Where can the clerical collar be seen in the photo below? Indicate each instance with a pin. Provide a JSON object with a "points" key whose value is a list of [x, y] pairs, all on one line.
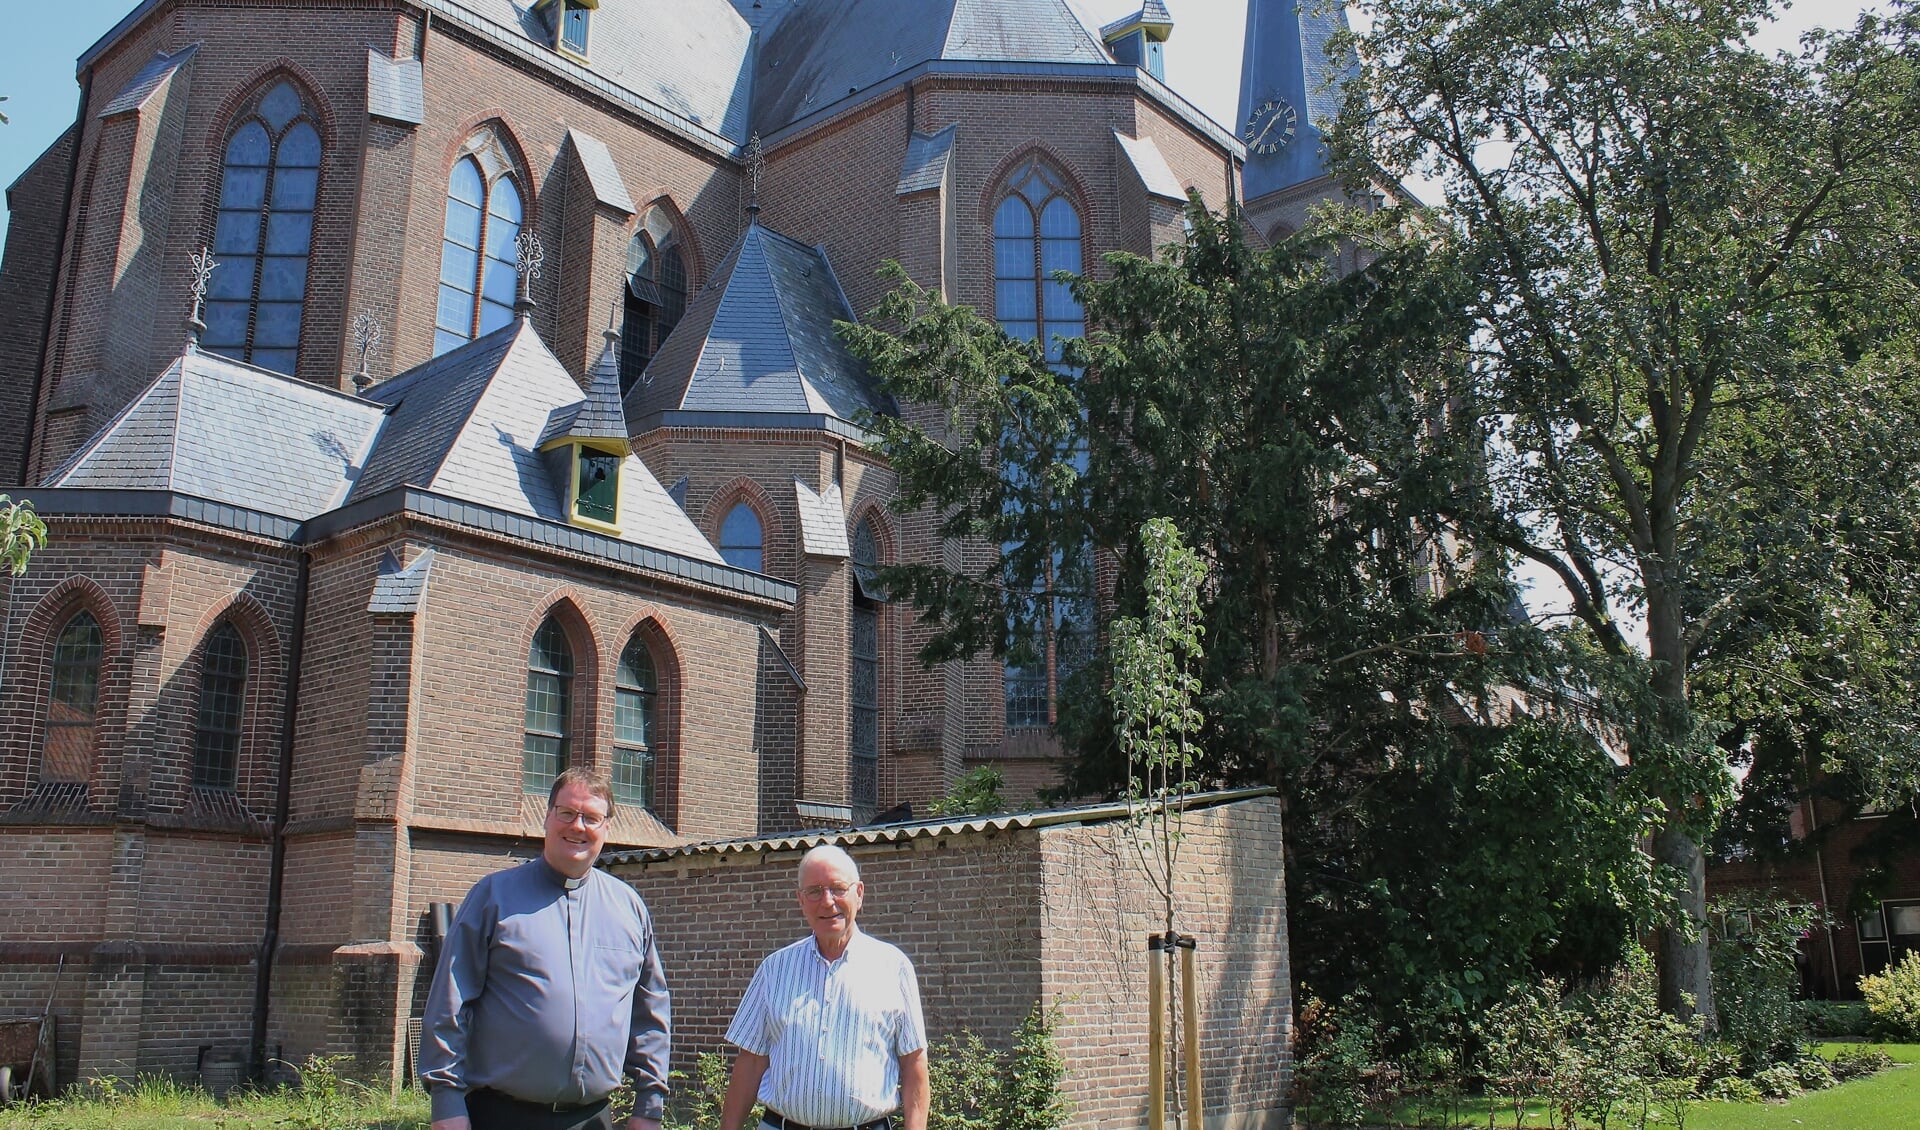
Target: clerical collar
{"points": [[565, 881]]}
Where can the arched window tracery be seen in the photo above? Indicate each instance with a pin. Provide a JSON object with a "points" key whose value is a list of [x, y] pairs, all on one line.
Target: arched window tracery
{"points": [[486, 207]]}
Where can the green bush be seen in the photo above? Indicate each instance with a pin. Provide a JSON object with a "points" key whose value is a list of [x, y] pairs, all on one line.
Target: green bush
{"points": [[1780, 1081], [978, 1088], [1841, 1019], [1338, 1051], [1858, 1062], [1815, 1073], [1732, 1089], [1755, 943], [1893, 997]]}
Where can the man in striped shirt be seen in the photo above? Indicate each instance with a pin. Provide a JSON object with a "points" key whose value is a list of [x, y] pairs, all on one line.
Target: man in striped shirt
{"points": [[830, 1032]]}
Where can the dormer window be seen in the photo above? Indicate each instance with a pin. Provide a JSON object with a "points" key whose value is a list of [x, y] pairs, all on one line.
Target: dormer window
{"points": [[596, 496], [567, 22]]}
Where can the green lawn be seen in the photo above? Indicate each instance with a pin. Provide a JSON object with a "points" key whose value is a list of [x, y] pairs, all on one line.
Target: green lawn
{"points": [[162, 1105], [1887, 1101]]}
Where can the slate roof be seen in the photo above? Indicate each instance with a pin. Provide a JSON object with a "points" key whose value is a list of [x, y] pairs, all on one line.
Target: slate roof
{"points": [[396, 89], [225, 431], [925, 167], [467, 425], [602, 175], [1151, 166], [397, 591], [819, 53], [823, 521], [686, 56], [1151, 14], [760, 339], [158, 70], [600, 415]]}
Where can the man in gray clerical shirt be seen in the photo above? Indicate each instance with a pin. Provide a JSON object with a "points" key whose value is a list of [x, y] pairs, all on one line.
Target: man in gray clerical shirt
{"points": [[548, 987]]}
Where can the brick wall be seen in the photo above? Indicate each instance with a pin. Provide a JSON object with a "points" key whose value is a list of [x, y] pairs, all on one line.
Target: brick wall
{"points": [[999, 920], [26, 292]]}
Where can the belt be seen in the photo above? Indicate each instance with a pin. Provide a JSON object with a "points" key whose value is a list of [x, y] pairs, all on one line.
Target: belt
{"points": [[489, 1094], [780, 1121]]}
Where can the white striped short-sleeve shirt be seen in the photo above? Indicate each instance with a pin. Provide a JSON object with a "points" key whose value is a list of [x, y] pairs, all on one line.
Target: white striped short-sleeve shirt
{"points": [[832, 1032]]}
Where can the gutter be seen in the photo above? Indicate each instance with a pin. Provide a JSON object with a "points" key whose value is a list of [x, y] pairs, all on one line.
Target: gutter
{"points": [[282, 809]]}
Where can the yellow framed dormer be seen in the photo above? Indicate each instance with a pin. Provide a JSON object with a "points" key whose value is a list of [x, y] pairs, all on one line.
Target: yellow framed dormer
{"points": [[594, 483], [569, 22]]}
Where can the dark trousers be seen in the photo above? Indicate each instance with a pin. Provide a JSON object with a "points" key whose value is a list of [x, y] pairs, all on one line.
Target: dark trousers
{"points": [[491, 1110]]}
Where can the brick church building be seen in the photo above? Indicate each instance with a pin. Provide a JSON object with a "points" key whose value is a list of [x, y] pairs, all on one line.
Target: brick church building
{"points": [[350, 558]]}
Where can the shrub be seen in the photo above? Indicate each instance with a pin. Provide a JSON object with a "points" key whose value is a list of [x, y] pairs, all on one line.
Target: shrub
{"points": [[1815, 1074], [1337, 1052], [1893, 997], [1755, 978], [976, 1088], [1858, 1062], [1829, 1019], [1780, 1081], [1731, 1089]]}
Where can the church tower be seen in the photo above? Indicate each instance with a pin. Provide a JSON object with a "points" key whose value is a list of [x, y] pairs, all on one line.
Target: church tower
{"points": [[1289, 95]]}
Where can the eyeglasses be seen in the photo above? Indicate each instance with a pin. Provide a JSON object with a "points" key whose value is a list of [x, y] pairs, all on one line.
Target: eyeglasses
{"points": [[588, 820], [837, 890]]}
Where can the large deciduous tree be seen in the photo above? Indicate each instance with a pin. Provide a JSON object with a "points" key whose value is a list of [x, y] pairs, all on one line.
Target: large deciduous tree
{"points": [[1691, 270]]}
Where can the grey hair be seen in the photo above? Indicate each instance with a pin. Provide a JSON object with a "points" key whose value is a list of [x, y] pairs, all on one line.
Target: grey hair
{"points": [[834, 854]]}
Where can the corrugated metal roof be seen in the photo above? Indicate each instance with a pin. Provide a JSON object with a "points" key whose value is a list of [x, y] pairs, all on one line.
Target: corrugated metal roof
{"points": [[925, 167], [823, 521], [608, 188], [760, 339], [135, 94], [1151, 166], [920, 829], [227, 432], [396, 89]]}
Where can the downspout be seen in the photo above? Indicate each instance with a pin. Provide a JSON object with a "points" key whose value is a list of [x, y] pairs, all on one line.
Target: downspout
{"points": [[60, 247], [282, 806]]}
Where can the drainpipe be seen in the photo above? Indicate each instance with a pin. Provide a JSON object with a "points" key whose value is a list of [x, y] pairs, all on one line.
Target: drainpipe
{"points": [[53, 296], [282, 806]]}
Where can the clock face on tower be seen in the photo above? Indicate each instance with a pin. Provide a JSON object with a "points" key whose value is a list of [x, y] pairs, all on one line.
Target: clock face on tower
{"points": [[1270, 127]]}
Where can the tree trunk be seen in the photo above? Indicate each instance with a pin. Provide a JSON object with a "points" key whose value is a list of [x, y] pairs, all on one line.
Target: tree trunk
{"points": [[1686, 981]]}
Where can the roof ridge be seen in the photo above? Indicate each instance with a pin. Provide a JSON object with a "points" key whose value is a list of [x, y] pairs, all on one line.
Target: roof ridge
{"points": [[120, 418]]}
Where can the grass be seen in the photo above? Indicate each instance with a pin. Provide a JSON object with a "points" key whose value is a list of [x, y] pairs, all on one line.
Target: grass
{"points": [[1879, 1102], [161, 1104]]}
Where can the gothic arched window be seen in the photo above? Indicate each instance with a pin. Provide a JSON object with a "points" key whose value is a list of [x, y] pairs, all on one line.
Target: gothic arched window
{"points": [[636, 726], [223, 689], [549, 727], [864, 718], [742, 544], [269, 181], [1036, 231], [485, 208], [656, 294], [73, 701]]}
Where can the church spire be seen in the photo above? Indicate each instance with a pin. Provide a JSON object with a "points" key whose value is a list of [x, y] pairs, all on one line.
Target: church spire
{"points": [[1289, 91]]}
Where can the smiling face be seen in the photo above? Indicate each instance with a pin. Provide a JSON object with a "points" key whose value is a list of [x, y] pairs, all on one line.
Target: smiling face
{"points": [[576, 830], [830, 896]]}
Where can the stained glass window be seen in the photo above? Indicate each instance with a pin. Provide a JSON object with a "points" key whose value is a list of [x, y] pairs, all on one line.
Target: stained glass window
{"points": [[263, 232], [478, 282], [549, 707], [1037, 232], [741, 542], [73, 701], [223, 689], [656, 294], [636, 704]]}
